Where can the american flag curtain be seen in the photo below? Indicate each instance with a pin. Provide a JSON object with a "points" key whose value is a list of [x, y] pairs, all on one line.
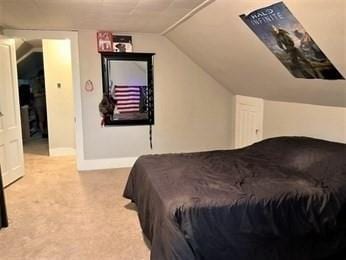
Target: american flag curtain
{"points": [[127, 98]]}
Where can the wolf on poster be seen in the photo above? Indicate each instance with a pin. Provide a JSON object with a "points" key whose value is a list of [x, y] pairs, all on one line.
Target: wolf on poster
{"points": [[281, 32]]}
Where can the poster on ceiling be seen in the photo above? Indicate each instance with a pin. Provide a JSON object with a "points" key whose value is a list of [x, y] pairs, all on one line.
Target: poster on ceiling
{"points": [[287, 39]]}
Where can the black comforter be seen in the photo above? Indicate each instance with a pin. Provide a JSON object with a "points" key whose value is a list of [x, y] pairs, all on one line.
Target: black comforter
{"points": [[282, 198]]}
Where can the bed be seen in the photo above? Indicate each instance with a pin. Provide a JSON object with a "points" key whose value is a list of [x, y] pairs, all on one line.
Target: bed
{"points": [[281, 198]]}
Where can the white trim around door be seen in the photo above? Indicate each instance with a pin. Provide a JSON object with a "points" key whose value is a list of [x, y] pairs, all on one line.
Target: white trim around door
{"points": [[73, 37]]}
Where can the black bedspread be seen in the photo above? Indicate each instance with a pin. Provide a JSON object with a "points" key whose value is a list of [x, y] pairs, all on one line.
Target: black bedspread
{"points": [[282, 198]]}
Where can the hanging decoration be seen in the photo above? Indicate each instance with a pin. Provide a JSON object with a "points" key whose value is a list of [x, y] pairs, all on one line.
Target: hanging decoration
{"points": [[89, 86], [104, 41], [287, 39]]}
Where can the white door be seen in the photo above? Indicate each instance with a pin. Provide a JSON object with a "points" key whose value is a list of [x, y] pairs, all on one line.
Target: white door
{"points": [[248, 120], [11, 147]]}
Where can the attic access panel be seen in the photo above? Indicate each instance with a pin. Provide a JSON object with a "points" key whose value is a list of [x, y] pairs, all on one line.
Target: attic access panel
{"points": [[287, 39], [128, 88]]}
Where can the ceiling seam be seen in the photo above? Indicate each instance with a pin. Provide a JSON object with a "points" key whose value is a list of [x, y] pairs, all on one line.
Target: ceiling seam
{"points": [[187, 16]]}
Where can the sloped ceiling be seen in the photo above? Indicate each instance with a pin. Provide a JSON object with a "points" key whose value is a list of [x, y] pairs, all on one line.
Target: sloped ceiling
{"points": [[24, 48], [218, 40], [29, 58], [28, 68], [149, 16]]}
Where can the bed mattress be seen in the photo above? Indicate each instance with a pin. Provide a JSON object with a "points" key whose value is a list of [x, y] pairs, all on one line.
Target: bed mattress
{"points": [[282, 198]]}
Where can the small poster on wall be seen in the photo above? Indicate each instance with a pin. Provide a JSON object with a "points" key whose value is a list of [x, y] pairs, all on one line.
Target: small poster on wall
{"points": [[122, 43], [104, 41], [287, 39]]}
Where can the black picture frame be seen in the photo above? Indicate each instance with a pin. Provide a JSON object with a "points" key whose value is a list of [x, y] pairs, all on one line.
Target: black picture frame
{"points": [[106, 59]]}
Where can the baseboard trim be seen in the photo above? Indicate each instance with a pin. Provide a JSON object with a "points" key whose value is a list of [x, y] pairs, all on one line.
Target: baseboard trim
{"points": [[65, 151], [102, 164]]}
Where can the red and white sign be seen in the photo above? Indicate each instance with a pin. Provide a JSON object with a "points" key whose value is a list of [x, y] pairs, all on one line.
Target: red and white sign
{"points": [[104, 41]]}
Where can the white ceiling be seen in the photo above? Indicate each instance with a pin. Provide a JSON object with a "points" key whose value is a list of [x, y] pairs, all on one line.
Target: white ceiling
{"points": [[220, 42], [150, 16]]}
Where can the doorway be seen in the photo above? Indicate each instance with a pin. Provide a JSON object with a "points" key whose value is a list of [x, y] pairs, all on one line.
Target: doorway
{"points": [[46, 70], [45, 98], [248, 120], [32, 96], [58, 89]]}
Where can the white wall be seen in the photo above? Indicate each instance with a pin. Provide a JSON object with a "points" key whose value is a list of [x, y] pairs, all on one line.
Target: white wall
{"points": [[293, 119], [192, 111], [60, 110]]}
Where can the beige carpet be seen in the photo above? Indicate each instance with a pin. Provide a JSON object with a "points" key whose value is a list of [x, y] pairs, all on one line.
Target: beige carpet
{"points": [[57, 213]]}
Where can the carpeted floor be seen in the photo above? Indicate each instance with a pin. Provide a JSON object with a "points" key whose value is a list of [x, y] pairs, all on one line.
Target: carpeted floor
{"points": [[57, 213]]}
